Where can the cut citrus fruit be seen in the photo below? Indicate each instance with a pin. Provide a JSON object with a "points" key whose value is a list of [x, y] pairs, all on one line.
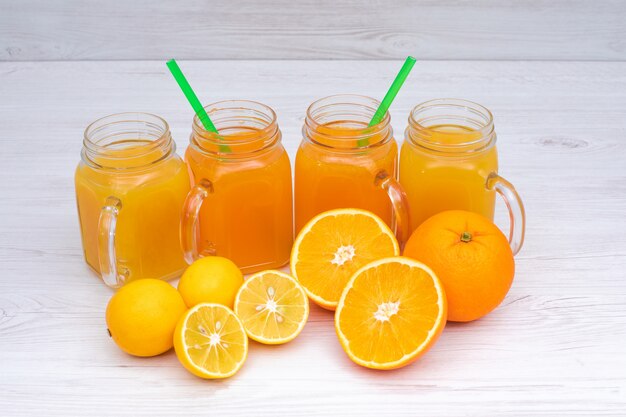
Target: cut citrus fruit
{"points": [[333, 246], [210, 341], [272, 306], [390, 313]]}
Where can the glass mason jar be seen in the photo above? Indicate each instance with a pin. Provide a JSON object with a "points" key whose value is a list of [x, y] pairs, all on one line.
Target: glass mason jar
{"points": [[240, 206], [343, 163], [449, 161], [130, 190]]}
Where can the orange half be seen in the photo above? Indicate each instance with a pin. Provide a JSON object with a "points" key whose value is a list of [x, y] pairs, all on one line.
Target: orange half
{"points": [[390, 313], [333, 246]]}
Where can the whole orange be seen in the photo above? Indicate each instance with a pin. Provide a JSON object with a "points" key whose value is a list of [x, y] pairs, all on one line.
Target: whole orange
{"points": [[471, 257]]}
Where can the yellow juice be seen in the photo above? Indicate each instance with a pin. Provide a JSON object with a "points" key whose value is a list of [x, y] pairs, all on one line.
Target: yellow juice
{"points": [[247, 215], [151, 188], [437, 178], [332, 172]]}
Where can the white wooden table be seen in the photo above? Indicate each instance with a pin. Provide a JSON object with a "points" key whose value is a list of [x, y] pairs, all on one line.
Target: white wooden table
{"points": [[556, 346]]}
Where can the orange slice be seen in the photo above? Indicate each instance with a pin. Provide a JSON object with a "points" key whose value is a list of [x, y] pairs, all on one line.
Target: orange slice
{"points": [[390, 313], [333, 246], [210, 341], [272, 306]]}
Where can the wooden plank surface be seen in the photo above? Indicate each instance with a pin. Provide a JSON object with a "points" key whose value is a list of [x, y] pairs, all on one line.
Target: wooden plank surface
{"points": [[313, 29], [555, 347]]}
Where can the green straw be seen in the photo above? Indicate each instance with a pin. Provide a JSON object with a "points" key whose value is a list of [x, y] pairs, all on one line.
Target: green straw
{"points": [[390, 96], [191, 96], [393, 91]]}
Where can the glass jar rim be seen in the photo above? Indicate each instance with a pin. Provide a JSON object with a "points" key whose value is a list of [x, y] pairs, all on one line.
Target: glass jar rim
{"points": [[133, 117], [268, 115], [159, 139], [367, 107], [455, 103], [421, 133], [349, 99]]}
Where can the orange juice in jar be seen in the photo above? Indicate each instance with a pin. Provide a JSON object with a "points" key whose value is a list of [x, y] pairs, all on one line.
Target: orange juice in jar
{"points": [[449, 161], [343, 163], [240, 206], [130, 190]]}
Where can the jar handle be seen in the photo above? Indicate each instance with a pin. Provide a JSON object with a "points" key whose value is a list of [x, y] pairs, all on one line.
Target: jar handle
{"points": [[189, 219], [399, 203], [107, 225], [517, 215]]}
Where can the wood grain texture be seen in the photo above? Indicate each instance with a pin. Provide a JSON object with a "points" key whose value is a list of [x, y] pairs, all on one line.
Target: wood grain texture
{"points": [[313, 29], [555, 347]]}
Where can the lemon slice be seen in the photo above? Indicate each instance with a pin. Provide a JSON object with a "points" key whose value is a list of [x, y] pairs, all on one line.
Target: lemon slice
{"points": [[210, 341], [333, 246], [272, 306]]}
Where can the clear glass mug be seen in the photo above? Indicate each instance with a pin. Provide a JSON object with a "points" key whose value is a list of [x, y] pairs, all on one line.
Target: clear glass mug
{"points": [[240, 206], [343, 163], [130, 190], [449, 161]]}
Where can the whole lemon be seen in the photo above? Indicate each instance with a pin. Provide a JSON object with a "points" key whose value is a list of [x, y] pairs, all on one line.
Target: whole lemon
{"points": [[142, 315], [212, 279]]}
